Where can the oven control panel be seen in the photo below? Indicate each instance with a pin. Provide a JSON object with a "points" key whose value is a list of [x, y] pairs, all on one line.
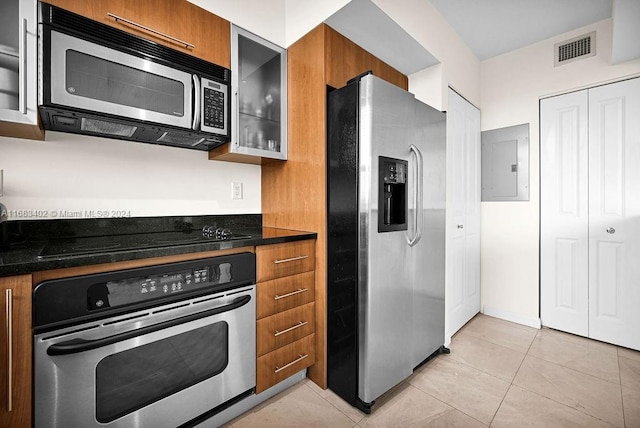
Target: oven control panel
{"points": [[139, 289], [63, 301]]}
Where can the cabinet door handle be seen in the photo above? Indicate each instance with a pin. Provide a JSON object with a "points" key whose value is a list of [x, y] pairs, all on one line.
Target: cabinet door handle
{"points": [[292, 259], [300, 358], [9, 326], [151, 30], [293, 293], [23, 67], [287, 330]]}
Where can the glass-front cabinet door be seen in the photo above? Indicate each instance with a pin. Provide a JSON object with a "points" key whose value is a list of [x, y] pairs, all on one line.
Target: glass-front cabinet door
{"points": [[259, 102], [18, 69]]}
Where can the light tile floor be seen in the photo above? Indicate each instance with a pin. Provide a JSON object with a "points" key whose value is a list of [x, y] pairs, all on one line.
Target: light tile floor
{"points": [[498, 374]]}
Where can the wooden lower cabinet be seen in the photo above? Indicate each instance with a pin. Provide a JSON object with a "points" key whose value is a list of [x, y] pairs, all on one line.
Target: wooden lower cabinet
{"points": [[15, 353], [285, 327], [285, 293], [278, 365], [285, 311]]}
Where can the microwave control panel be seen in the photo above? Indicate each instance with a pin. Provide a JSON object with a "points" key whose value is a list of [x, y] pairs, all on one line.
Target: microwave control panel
{"points": [[214, 107]]}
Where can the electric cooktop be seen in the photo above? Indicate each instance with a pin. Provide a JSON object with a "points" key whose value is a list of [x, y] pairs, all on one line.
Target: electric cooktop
{"points": [[105, 244]]}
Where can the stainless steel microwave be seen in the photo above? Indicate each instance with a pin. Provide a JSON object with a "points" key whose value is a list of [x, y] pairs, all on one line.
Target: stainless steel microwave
{"points": [[101, 81]]}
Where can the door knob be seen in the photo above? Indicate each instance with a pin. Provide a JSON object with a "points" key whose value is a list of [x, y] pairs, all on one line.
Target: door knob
{"points": [[460, 226], [611, 230]]}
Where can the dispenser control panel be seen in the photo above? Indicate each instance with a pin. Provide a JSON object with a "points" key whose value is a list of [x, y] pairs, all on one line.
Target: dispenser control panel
{"points": [[392, 194]]}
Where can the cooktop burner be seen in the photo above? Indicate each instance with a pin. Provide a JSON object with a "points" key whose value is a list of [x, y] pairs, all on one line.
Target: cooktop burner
{"points": [[105, 244]]}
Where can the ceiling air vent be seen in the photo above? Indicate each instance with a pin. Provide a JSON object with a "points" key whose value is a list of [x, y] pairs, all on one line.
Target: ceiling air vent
{"points": [[574, 49]]}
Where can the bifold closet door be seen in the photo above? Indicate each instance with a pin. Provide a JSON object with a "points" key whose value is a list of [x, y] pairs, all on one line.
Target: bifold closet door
{"points": [[614, 213], [590, 213], [564, 215]]}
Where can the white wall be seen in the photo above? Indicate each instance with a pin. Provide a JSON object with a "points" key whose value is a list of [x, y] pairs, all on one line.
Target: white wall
{"points": [[304, 16], [68, 176], [511, 86], [266, 18], [459, 67]]}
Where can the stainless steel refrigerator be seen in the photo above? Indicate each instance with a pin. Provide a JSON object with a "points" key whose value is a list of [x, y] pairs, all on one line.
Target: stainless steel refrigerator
{"points": [[385, 237]]}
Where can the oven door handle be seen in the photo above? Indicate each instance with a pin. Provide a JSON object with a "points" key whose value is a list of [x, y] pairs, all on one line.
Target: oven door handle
{"points": [[76, 346]]}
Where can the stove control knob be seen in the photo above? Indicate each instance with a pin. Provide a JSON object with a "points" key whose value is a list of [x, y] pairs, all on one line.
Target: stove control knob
{"points": [[223, 234], [208, 232]]}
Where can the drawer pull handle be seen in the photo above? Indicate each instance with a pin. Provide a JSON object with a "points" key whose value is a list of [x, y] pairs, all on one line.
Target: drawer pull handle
{"points": [[292, 259], [300, 324], [293, 293], [151, 30], [9, 327], [300, 358]]}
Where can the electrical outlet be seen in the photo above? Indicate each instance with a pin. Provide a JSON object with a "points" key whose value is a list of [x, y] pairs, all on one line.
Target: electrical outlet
{"points": [[236, 190]]}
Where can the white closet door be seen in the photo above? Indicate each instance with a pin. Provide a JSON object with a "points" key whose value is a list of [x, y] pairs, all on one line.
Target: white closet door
{"points": [[564, 217], [614, 213], [463, 212]]}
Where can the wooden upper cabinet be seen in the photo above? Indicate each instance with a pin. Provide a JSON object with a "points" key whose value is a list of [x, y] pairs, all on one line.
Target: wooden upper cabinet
{"points": [[208, 33]]}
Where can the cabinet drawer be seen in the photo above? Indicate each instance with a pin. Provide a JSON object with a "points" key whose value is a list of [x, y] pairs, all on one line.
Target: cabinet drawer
{"points": [[285, 327], [275, 261], [280, 294], [278, 365]]}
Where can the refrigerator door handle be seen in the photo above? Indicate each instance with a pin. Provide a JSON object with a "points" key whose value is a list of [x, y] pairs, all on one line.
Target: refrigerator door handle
{"points": [[418, 217]]}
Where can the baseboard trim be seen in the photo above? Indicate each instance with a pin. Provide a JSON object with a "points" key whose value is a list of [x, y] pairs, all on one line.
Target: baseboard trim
{"points": [[512, 316]]}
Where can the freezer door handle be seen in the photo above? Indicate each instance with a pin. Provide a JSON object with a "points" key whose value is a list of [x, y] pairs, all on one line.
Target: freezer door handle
{"points": [[418, 215]]}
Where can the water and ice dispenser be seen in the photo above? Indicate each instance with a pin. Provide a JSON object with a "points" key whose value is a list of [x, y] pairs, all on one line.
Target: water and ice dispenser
{"points": [[392, 194]]}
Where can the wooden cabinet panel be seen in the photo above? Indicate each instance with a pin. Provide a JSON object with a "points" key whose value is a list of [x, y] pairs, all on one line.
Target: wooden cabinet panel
{"points": [[285, 327], [210, 34], [285, 293], [15, 336], [275, 261], [284, 362]]}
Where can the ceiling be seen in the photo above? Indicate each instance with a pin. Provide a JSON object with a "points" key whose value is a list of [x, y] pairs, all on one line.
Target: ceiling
{"points": [[488, 27], [494, 27]]}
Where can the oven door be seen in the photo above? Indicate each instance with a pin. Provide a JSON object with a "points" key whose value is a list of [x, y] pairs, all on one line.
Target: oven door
{"points": [[159, 367], [95, 78]]}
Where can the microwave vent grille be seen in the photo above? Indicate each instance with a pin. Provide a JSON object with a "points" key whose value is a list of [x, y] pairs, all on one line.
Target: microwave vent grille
{"points": [[121, 40], [107, 128], [181, 139]]}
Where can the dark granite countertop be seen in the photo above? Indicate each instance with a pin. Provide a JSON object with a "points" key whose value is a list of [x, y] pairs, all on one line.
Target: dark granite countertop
{"points": [[31, 246]]}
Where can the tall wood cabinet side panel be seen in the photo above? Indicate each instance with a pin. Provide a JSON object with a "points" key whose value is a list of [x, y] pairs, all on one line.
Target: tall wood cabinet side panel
{"points": [[293, 192], [20, 363], [181, 19], [345, 60]]}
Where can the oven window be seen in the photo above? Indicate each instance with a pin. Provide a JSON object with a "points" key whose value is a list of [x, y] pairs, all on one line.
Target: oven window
{"points": [[132, 379], [98, 79]]}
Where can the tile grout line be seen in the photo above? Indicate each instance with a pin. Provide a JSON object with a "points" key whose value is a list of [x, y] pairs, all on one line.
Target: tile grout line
{"points": [[624, 419], [447, 404], [333, 405], [514, 377], [579, 372]]}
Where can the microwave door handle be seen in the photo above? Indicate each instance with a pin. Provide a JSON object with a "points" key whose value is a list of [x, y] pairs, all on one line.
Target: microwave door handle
{"points": [[196, 103], [76, 346]]}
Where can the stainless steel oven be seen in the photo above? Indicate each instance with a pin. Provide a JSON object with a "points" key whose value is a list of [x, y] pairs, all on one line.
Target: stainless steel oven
{"points": [[146, 347]]}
